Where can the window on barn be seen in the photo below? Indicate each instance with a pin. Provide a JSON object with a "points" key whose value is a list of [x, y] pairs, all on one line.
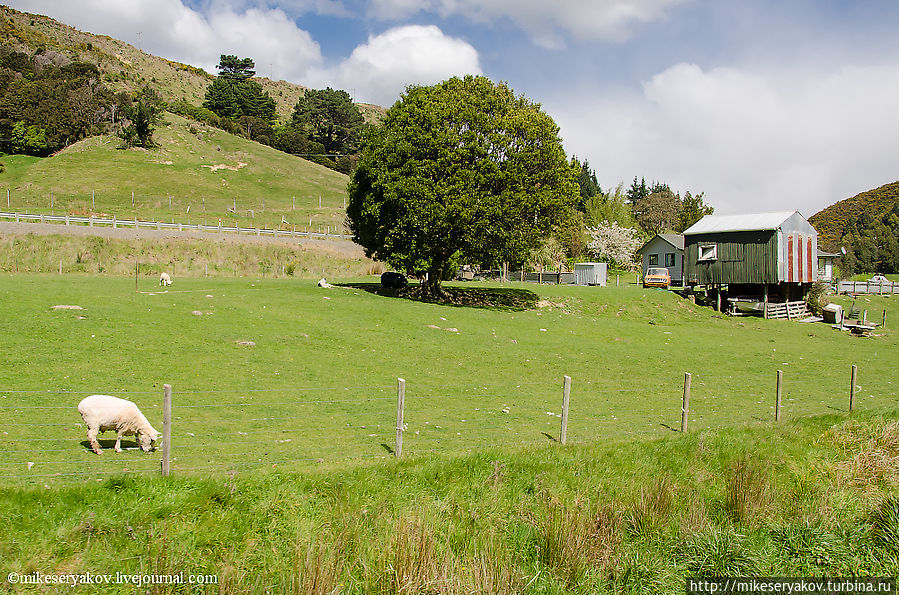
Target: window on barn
{"points": [[653, 260], [669, 259], [708, 252]]}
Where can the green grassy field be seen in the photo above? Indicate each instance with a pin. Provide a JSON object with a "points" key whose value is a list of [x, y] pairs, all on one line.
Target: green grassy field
{"points": [[319, 381], [283, 480], [810, 497], [195, 166]]}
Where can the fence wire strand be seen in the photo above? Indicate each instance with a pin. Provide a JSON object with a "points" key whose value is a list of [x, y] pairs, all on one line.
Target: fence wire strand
{"points": [[501, 420]]}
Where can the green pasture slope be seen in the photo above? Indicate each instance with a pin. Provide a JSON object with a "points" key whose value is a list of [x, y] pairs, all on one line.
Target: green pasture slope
{"points": [[281, 372], [282, 479], [194, 166]]}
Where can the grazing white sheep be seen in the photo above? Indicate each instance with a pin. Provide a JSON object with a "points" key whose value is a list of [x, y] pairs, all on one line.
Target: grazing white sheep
{"points": [[164, 279], [103, 412]]}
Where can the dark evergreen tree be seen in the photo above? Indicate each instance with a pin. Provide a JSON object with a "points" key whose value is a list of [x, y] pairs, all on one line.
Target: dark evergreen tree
{"points": [[234, 94], [330, 118], [693, 209], [586, 179], [141, 116], [637, 191]]}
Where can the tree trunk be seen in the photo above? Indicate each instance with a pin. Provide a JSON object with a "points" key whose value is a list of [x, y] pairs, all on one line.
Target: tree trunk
{"points": [[433, 287]]}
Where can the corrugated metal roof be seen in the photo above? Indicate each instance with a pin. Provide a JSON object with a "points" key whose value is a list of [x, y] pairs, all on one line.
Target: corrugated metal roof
{"points": [[675, 239], [752, 222]]}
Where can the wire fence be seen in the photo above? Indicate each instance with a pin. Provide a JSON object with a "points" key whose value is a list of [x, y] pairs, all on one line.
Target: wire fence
{"points": [[242, 210], [229, 431]]}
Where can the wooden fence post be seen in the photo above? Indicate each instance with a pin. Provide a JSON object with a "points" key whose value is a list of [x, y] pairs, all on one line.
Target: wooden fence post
{"points": [[685, 410], [780, 383], [566, 395], [852, 387], [400, 403], [166, 429], [883, 323]]}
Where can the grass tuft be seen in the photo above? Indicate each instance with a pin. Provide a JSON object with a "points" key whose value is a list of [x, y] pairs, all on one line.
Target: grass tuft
{"points": [[651, 510], [747, 490], [885, 525], [577, 538], [719, 552]]}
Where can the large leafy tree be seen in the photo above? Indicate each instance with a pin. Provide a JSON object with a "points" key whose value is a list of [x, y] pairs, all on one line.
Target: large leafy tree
{"points": [[658, 211], [330, 118], [459, 170]]}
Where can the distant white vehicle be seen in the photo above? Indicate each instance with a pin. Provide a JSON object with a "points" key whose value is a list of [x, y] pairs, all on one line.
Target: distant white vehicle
{"points": [[878, 279]]}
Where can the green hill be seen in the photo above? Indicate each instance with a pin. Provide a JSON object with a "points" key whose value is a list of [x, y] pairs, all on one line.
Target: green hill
{"points": [[834, 221], [866, 226], [206, 170], [127, 68], [124, 67]]}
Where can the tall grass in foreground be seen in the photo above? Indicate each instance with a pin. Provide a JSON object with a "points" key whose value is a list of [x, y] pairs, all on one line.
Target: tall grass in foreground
{"points": [[623, 517]]}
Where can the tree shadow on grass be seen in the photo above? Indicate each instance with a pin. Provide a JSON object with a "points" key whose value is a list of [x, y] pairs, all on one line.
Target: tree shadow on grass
{"points": [[490, 298]]}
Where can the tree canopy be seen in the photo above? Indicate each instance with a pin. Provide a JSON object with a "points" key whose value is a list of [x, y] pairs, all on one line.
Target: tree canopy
{"points": [[692, 210], [232, 67], [459, 170], [48, 102], [330, 118], [141, 116], [658, 211], [587, 183], [234, 94]]}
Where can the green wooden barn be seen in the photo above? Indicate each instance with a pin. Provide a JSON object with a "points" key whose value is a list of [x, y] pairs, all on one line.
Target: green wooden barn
{"points": [[758, 255]]}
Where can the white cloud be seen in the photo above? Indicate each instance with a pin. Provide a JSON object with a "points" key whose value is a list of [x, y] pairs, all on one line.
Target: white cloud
{"points": [[170, 29], [379, 70], [548, 23], [796, 138]]}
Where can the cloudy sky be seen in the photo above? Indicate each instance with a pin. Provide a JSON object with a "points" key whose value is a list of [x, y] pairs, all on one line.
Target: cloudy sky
{"points": [[761, 104]]}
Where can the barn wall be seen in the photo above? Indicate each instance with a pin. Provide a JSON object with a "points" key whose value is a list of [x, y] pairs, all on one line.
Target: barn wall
{"points": [[743, 257], [798, 252]]}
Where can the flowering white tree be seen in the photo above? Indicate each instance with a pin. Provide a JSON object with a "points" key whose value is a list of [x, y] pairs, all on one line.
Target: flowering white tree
{"points": [[615, 244]]}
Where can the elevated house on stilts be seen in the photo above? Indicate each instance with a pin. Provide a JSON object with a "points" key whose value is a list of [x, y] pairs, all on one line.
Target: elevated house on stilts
{"points": [[763, 263]]}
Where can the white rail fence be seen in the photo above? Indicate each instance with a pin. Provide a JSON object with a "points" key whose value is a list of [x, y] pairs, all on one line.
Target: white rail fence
{"points": [[115, 223], [869, 287]]}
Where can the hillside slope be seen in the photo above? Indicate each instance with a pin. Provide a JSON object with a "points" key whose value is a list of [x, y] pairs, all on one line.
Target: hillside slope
{"points": [[196, 172], [832, 222], [127, 68]]}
